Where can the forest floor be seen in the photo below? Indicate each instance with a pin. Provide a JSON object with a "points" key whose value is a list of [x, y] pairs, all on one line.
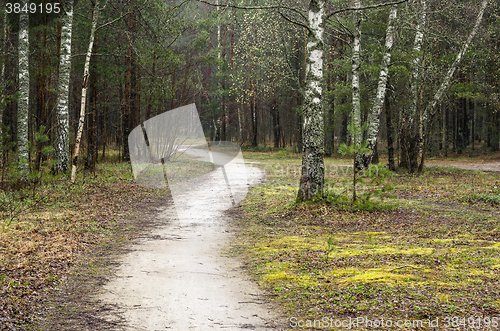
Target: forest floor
{"points": [[179, 277], [56, 251], [428, 253], [432, 252]]}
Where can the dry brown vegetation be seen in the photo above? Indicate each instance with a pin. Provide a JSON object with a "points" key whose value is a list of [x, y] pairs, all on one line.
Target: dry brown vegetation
{"points": [[431, 252], [66, 235]]}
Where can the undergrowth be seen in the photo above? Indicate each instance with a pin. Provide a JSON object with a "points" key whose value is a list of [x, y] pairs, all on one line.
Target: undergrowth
{"points": [[429, 250], [45, 232]]}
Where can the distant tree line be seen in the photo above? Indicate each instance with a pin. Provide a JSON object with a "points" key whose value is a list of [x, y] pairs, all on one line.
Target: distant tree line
{"points": [[423, 75]]}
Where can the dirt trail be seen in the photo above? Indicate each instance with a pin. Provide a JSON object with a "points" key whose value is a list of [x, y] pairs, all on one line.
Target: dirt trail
{"points": [[473, 165], [177, 278]]}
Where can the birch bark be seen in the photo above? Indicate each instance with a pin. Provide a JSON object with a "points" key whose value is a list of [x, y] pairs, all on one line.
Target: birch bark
{"points": [[95, 17], [408, 137], [312, 177], [356, 64], [24, 90], [356, 97], [374, 114], [61, 146], [430, 109]]}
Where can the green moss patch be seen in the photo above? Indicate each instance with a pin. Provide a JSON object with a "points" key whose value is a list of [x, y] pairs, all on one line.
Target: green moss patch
{"points": [[435, 255]]}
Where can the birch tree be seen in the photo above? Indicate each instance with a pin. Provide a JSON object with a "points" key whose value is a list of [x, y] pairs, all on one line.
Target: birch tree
{"points": [[24, 90], [356, 64], [429, 112], [409, 139], [61, 150], [374, 114], [312, 177], [95, 17]]}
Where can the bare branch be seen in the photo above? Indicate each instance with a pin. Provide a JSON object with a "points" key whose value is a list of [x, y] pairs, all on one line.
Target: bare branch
{"points": [[294, 22], [277, 6], [113, 21], [365, 7]]}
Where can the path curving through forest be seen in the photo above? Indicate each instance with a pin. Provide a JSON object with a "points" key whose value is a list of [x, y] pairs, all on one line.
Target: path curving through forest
{"points": [[177, 277]]}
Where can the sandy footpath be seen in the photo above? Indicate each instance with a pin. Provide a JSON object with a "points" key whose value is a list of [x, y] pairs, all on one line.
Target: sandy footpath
{"points": [[178, 278], [490, 166]]}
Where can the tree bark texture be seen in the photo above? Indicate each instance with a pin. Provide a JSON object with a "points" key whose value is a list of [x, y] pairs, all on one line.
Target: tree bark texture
{"points": [[24, 93], [378, 104], [409, 138], [95, 17], [312, 177]]}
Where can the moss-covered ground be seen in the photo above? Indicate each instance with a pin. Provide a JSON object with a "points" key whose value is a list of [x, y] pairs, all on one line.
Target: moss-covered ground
{"points": [[431, 251]]}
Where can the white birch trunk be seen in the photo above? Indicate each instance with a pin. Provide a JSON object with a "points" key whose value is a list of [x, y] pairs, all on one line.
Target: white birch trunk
{"points": [[446, 83], [356, 97], [84, 91], [312, 177], [356, 64], [374, 114], [415, 75], [451, 71], [61, 146], [408, 136], [24, 90]]}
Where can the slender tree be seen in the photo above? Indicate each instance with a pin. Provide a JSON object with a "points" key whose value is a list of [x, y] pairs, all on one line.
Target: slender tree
{"points": [[356, 64], [2, 78], [313, 136], [374, 114], [430, 110], [95, 16], [409, 139], [24, 90], [61, 146]]}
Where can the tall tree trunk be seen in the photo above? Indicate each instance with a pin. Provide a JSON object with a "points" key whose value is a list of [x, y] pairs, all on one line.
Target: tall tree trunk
{"points": [[24, 90], [313, 135], [374, 114], [95, 17], [41, 118], [4, 81], [104, 117], [390, 132], [91, 122], [356, 97], [429, 112], [128, 118], [275, 116], [61, 146], [443, 133], [408, 137], [473, 125]]}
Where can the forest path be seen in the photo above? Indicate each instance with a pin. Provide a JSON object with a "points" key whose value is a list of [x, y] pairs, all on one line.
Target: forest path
{"points": [[467, 165], [177, 277]]}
